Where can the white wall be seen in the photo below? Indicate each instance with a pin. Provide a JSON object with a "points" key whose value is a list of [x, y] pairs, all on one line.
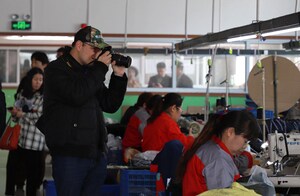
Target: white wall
{"points": [[143, 16]]}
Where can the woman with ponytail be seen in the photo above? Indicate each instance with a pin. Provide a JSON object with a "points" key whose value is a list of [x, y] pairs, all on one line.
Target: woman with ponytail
{"points": [[163, 134], [162, 125], [217, 156]]}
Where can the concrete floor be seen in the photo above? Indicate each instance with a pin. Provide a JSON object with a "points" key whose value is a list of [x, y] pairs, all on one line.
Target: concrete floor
{"points": [[3, 159]]}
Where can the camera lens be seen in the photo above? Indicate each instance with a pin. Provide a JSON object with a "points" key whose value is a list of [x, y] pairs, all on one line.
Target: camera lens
{"points": [[121, 60]]}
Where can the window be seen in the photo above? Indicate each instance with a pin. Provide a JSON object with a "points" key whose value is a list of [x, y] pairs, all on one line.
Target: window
{"points": [[8, 66]]}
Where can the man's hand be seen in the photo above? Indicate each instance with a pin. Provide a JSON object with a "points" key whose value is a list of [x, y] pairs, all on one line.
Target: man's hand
{"points": [[104, 58], [118, 70]]}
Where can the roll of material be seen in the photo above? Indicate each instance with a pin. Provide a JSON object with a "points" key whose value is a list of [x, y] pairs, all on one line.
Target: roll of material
{"points": [[288, 83]]}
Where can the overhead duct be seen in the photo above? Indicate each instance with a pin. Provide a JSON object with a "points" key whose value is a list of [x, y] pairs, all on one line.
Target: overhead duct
{"points": [[290, 21]]}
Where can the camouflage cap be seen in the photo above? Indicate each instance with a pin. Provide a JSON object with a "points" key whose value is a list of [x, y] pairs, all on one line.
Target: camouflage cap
{"points": [[92, 36]]}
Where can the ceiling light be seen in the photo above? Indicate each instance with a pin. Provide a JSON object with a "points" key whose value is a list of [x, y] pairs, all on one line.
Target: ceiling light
{"points": [[148, 45], [281, 32], [40, 38], [242, 38]]}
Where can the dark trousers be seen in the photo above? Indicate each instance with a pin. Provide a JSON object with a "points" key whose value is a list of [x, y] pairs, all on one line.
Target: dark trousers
{"points": [[75, 176], [167, 159], [23, 164]]}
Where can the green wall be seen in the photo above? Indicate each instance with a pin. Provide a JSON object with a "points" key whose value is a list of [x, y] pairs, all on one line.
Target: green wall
{"points": [[189, 100]]}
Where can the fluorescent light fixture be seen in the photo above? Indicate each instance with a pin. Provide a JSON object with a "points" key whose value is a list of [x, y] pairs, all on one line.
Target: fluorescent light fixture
{"points": [[148, 45], [280, 31], [242, 38], [40, 38]]}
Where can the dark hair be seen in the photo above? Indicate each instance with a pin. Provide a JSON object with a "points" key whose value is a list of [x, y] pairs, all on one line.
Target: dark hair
{"points": [[168, 100], [26, 83], [161, 65], [64, 49], [153, 102], [242, 121], [40, 56], [179, 65], [143, 98]]}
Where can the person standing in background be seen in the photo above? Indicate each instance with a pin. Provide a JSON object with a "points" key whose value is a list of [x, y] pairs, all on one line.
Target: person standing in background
{"points": [[26, 162], [38, 59], [161, 79], [73, 123], [133, 81], [62, 50]]}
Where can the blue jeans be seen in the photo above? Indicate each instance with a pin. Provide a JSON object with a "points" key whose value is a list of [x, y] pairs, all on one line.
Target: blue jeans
{"points": [[75, 176]]}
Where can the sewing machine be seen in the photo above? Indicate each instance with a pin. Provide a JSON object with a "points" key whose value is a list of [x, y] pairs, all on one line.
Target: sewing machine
{"points": [[284, 154]]}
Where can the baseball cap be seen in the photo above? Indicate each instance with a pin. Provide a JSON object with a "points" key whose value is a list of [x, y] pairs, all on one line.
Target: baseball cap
{"points": [[92, 36]]}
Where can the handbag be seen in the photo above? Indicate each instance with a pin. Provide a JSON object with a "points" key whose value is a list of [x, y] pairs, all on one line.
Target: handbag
{"points": [[10, 137]]}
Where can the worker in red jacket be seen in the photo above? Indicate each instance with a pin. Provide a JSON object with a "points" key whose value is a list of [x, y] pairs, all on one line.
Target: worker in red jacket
{"points": [[218, 157], [134, 131], [163, 134], [162, 126]]}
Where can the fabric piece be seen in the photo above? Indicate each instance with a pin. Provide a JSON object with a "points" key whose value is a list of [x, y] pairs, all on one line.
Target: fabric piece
{"points": [[235, 190]]}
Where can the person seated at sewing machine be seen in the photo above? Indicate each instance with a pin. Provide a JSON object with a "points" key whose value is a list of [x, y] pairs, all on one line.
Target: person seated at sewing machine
{"points": [[134, 131], [217, 156]]}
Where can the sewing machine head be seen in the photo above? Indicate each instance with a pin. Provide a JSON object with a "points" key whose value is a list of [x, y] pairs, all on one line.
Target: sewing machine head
{"points": [[284, 152]]}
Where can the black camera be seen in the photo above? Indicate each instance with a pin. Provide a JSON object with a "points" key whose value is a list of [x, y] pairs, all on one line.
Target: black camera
{"points": [[121, 60]]}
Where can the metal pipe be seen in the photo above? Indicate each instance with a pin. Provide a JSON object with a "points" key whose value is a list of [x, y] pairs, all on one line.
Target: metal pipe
{"points": [[257, 10], [88, 12], [125, 31], [296, 9], [213, 16], [186, 19], [275, 83]]}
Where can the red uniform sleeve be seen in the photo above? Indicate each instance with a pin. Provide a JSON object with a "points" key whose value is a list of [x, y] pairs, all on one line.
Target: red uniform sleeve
{"points": [[132, 137]]}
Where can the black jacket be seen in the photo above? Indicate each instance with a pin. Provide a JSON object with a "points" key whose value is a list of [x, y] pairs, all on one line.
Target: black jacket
{"points": [[75, 98]]}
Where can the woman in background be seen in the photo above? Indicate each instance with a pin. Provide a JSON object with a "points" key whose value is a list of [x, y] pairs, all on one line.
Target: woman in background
{"points": [[133, 81], [163, 134], [162, 126], [134, 131], [29, 156]]}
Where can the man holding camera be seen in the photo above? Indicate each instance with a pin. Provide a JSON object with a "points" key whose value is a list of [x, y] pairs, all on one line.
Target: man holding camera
{"points": [[75, 98]]}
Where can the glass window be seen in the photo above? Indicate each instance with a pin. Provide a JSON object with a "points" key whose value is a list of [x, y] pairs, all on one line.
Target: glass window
{"points": [[186, 72], [228, 69], [158, 71], [8, 66], [25, 59], [3, 66]]}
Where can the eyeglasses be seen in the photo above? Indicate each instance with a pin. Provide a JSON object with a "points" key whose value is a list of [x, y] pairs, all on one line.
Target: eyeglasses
{"points": [[91, 47]]}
